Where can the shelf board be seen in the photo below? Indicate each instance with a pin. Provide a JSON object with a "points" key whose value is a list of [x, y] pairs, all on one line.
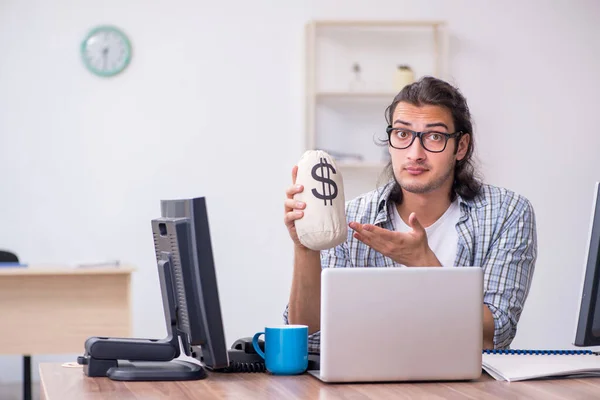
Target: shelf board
{"points": [[355, 95], [377, 23], [333, 99]]}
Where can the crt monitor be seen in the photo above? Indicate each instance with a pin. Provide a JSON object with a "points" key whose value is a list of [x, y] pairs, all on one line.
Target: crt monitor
{"points": [[191, 307], [588, 324]]}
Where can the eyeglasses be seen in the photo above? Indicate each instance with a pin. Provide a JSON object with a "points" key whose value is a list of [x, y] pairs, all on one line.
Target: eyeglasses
{"points": [[432, 141]]}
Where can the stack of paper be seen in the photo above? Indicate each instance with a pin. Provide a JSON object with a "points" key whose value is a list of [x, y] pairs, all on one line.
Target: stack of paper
{"points": [[518, 367]]}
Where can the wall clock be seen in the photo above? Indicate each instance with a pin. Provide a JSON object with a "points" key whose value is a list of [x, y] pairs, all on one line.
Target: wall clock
{"points": [[106, 51]]}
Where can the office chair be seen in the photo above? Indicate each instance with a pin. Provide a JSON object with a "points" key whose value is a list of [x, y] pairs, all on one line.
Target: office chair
{"points": [[9, 257]]}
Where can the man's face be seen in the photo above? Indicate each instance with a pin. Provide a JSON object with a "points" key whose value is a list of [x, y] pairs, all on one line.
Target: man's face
{"points": [[416, 169]]}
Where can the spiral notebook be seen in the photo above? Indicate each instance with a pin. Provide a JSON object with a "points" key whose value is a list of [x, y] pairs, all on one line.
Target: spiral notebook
{"points": [[519, 365]]}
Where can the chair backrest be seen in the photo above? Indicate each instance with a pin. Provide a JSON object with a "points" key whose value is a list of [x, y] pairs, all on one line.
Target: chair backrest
{"points": [[7, 256]]}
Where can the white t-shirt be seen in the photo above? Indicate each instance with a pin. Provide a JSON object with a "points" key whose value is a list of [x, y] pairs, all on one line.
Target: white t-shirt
{"points": [[441, 235]]}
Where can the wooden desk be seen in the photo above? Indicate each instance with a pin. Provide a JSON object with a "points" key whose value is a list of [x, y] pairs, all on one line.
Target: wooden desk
{"points": [[50, 310], [62, 383], [53, 310]]}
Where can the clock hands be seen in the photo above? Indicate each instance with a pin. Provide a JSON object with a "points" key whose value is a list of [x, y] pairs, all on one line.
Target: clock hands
{"points": [[104, 56]]}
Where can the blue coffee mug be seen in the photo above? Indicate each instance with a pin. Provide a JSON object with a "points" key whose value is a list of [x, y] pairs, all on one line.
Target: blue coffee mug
{"points": [[286, 349]]}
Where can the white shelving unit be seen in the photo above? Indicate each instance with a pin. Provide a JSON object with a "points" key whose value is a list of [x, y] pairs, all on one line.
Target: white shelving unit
{"points": [[345, 110]]}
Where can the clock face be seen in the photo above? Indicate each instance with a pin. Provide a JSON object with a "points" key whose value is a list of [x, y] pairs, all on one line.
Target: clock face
{"points": [[106, 51]]}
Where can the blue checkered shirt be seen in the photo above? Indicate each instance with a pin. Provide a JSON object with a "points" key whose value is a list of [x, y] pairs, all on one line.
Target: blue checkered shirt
{"points": [[496, 231]]}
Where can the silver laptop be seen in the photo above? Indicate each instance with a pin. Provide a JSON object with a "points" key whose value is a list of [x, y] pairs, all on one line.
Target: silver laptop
{"points": [[401, 324]]}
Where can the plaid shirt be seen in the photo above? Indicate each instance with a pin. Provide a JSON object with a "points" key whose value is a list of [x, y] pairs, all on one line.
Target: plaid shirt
{"points": [[496, 231]]}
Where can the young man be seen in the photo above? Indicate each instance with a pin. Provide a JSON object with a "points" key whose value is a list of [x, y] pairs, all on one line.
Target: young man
{"points": [[434, 213]]}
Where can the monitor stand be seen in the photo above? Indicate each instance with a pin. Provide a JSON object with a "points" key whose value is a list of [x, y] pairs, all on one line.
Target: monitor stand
{"points": [[156, 371], [132, 359]]}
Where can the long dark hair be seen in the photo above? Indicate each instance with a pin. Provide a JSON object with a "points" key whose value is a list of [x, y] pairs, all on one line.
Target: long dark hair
{"points": [[432, 91]]}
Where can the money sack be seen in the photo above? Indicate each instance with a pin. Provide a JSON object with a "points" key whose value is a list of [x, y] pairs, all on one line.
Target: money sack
{"points": [[323, 224]]}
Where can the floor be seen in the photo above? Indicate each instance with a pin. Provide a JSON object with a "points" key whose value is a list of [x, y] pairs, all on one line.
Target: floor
{"points": [[14, 391]]}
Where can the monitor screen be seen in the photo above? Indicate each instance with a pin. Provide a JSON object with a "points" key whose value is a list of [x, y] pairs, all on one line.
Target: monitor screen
{"points": [[588, 324]]}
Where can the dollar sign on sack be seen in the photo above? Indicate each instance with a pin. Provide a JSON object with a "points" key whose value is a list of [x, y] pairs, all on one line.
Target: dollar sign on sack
{"points": [[330, 190]]}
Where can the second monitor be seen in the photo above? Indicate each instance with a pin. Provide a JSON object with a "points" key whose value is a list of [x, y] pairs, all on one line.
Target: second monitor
{"points": [[588, 325], [191, 305], [198, 303]]}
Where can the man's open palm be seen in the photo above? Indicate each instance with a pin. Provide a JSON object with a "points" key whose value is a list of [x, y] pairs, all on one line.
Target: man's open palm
{"points": [[407, 248]]}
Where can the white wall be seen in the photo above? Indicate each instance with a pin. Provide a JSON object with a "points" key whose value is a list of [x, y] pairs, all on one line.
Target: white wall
{"points": [[211, 105]]}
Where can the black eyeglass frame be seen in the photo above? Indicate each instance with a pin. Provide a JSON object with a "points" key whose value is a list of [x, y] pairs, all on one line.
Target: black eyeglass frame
{"points": [[415, 134]]}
